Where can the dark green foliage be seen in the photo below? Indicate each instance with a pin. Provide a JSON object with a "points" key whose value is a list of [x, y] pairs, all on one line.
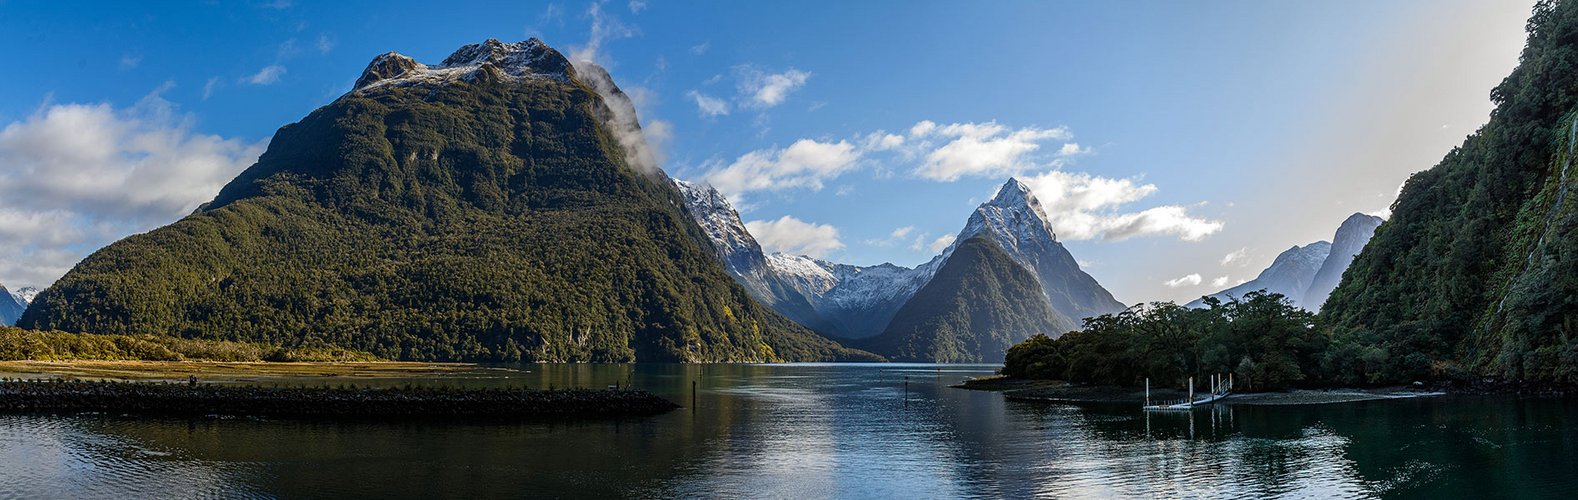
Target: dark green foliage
{"points": [[1477, 270], [479, 220], [17, 344], [977, 305], [1262, 338]]}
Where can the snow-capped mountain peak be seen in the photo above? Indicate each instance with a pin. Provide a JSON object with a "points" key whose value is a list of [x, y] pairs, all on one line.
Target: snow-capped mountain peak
{"points": [[25, 295], [1014, 217]]}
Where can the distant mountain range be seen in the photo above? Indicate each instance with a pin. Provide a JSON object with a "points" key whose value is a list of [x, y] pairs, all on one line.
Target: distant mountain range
{"points": [[1307, 274], [875, 305]]}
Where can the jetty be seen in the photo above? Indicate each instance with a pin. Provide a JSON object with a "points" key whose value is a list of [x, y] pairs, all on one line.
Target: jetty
{"points": [[1220, 387]]}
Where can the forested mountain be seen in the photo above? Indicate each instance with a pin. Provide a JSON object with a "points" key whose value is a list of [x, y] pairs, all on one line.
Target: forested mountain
{"points": [[1476, 271], [499, 205], [979, 303]]}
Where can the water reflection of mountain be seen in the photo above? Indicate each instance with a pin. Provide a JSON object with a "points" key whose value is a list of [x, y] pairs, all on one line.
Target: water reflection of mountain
{"points": [[822, 430]]}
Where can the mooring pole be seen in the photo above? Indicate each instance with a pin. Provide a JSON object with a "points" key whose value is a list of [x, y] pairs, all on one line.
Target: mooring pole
{"points": [[693, 396], [1147, 402], [1191, 400], [906, 390]]}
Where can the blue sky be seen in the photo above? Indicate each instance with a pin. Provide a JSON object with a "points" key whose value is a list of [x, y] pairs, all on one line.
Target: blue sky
{"points": [[1164, 136]]}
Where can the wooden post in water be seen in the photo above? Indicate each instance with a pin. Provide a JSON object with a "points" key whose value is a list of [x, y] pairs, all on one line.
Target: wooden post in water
{"points": [[693, 396], [1191, 402], [1147, 401], [906, 390]]}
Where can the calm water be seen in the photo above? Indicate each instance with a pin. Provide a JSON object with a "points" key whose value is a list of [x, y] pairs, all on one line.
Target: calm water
{"points": [[807, 431]]}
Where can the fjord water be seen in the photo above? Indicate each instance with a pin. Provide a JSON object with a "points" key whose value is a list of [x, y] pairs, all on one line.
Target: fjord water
{"points": [[815, 430]]}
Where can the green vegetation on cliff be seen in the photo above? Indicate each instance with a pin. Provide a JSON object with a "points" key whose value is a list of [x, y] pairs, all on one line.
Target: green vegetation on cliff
{"points": [[1476, 272], [484, 217]]}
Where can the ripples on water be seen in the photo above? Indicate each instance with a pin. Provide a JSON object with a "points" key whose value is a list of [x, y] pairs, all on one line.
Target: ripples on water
{"points": [[810, 431]]}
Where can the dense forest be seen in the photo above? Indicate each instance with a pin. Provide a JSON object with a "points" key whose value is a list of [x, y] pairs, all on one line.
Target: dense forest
{"points": [[483, 218], [1266, 341], [1476, 272]]}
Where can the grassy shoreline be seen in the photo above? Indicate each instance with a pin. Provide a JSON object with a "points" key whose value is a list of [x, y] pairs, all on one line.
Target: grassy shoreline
{"points": [[200, 400], [231, 372], [1054, 391]]}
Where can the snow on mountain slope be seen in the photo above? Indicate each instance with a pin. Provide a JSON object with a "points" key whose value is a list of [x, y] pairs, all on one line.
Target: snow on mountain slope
{"points": [[742, 256], [855, 301], [528, 59]]}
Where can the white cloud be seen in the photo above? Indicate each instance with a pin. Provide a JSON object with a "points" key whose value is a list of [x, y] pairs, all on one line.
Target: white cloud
{"points": [[1190, 280], [208, 88], [882, 141], [980, 149], [804, 164], [636, 6], [76, 177], [1072, 149], [605, 28], [941, 243], [1164, 220], [1236, 256], [1082, 206], [896, 236], [794, 236], [765, 90], [707, 105], [324, 44], [700, 48], [1219, 282], [266, 76], [129, 61]]}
